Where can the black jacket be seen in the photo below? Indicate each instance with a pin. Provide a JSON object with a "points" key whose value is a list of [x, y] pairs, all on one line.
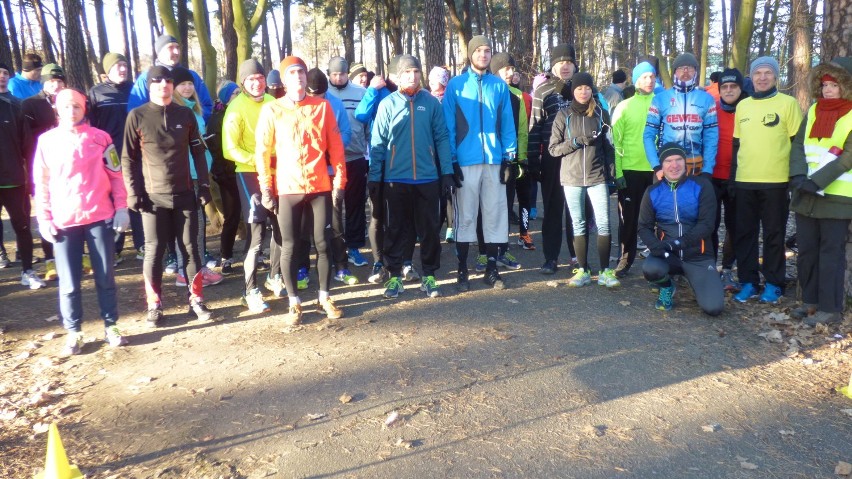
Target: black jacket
{"points": [[222, 168], [108, 109], [14, 136], [155, 157], [39, 116], [582, 165]]}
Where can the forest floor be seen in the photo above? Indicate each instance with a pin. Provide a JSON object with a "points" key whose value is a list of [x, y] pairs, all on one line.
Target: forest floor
{"points": [[538, 380]]}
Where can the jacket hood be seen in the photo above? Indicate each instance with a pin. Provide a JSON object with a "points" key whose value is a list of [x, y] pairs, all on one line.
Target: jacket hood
{"points": [[840, 68]]}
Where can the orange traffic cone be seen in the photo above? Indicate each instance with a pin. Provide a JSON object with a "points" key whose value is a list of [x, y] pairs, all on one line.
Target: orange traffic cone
{"points": [[56, 463]]}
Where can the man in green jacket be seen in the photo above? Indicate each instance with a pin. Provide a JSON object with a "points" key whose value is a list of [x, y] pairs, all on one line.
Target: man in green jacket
{"points": [[633, 172]]}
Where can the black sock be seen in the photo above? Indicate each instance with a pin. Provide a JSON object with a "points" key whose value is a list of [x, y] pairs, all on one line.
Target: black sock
{"points": [[604, 247], [581, 250], [462, 249]]}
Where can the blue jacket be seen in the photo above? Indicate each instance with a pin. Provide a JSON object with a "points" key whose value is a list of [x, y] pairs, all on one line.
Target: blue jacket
{"points": [[369, 106], [342, 118], [687, 118], [478, 112], [683, 210], [23, 88], [409, 140], [139, 93]]}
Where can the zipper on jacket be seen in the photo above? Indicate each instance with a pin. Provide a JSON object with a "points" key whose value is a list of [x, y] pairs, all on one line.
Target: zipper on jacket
{"points": [[677, 217], [481, 128], [411, 129]]}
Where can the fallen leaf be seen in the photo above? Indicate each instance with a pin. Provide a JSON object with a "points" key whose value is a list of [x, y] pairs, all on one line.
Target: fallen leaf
{"points": [[624, 303], [711, 428], [748, 465], [843, 468], [144, 380], [345, 398], [785, 432], [49, 336], [848, 412], [773, 336], [552, 284], [314, 417], [513, 301], [52, 318], [392, 418], [24, 355], [40, 427], [201, 390], [404, 444], [8, 414]]}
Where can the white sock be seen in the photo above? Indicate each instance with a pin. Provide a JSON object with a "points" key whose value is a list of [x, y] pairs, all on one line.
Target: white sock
{"points": [[294, 300], [323, 296]]}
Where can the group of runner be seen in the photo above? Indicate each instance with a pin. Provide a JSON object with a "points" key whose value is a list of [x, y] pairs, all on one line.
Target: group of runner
{"points": [[296, 154]]}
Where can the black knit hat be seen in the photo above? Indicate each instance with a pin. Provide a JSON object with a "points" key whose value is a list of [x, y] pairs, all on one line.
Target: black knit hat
{"points": [[157, 71], [356, 69], [714, 77], [619, 76], [31, 62], [4, 66], [669, 149], [405, 62], [248, 68], [162, 41], [685, 60], [317, 82], [181, 74], [500, 61], [337, 65], [562, 53], [581, 79], [731, 75]]}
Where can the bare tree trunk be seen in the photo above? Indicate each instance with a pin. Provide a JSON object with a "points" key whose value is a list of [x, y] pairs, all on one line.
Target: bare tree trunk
{"points": [[153, 24], [836, 32], [435, 31], [5, 53], [705, 34], [744, 28], [567, 22], [349, 30], [393, 27], [380, 67], [725, 41], [462, 22], [76, 67], [183, 31], [56, 19], [208, 53], [25, 15], [92, 55], [797, 77], [536, 34], [46, 39], [229, 38], [122, 15], [265, 47], [103, 40], [657, 20], [13, 35]]}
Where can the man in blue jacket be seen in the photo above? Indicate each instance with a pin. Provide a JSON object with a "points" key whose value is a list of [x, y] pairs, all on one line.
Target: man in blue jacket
{"points": [[167, 54], [684, 115], [478, 111], [410, 154]]}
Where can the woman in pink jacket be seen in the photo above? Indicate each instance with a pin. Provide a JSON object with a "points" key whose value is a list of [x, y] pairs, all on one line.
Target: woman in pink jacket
{"points": [[80, 198]]}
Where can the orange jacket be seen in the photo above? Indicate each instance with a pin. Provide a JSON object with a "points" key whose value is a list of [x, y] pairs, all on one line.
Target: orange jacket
{"points": [[306, 140]]}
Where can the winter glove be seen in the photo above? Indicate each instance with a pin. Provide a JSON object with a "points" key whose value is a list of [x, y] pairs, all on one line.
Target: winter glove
{"points": [[447, 184], [731, 189], [269, 201], [121, 220], [458, 176], [584, 140], [374, 188], [204, 195], [48, 231], [621, 183], [673, 245], [505, 172], [141, 203], [808, 186]]}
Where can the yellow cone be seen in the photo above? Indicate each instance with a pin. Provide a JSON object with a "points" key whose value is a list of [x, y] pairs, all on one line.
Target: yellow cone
{"points": [[846, 390], [56, 463]]}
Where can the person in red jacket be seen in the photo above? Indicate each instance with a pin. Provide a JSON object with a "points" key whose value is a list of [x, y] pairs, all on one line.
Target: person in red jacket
{"points": [[731, 93]]}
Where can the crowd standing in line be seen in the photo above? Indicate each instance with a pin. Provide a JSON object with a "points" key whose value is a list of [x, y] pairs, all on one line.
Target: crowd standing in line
{"points": [[298, 155]]}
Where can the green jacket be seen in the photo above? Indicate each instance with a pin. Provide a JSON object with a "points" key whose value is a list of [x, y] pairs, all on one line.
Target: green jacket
{"points": [[519, 108], [628, 126]]}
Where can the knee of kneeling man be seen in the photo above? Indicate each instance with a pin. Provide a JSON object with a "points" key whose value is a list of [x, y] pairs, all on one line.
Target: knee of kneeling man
{"points": [[713, 309]]}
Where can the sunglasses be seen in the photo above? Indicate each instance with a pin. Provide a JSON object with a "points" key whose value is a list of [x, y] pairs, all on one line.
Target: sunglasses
{"points": [[160, 79]]}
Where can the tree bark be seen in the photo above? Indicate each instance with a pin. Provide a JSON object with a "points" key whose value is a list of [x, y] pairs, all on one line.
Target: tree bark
{"points": [[56, 16], [183, 31], [229, 38], [657, 23], [208, 53], [836, 31], [90, 50], [744, 29], [122, 15], [287, 41], [46, 39], [266, 54], [5, 53], [567, 22], [103, 40], [349, 30], [705, 34], [461, 20], [435, 31], [377, 29], [393, 27], [76, 67], [245, 26], [13, 36]]}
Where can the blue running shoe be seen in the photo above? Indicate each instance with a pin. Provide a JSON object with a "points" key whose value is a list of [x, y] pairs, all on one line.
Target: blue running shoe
{"points": [[747, 292], [771, 294], [302, 279], [481, 263], [356, 258], [394, 287], [666, 299], [533, 213]]}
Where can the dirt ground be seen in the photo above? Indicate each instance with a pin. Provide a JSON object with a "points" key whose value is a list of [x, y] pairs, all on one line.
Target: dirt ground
{"points": [[539, 380]]}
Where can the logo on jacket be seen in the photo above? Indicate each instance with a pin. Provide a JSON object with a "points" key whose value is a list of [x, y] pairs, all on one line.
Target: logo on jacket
{"points": [[178, 127], [771, 119], [421, 108]]}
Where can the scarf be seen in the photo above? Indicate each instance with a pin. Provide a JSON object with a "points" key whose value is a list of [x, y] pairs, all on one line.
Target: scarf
{"points": [[760, 95], [827, 114], [684, 86], [579, 108], [733, 106], [410, 91]]}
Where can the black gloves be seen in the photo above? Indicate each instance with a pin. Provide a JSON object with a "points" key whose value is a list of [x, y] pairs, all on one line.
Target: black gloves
{"points": [[584, 140], [203, 195], [141, 203], [374, 188], [447, 184], [808, 186], [505, 172], [269, 201], [621, 183], [458, 176], [673, 245]]}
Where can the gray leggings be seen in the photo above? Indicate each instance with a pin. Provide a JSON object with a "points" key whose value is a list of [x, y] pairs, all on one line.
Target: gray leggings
{"points": [[702, 276]]}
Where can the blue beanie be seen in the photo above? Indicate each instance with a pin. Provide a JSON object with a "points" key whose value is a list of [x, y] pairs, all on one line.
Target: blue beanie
{"points": [[765, 62], [642, 69], [225, 92], [273, 78]]}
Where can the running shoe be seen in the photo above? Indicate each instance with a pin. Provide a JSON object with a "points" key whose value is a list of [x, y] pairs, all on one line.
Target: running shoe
{"points": [[50, 273], [87, 264], [330, 309], [253, 300], [492, 278], [430, 287], [113, 336], [4, 260], [302, 279], [154, 316], [666, 299], [607, 278], [506, 260], [581, 278], [822, 317], [409, 273], [804, 311], [73, 344], [201, 311], [394, 287], [118, 260], [379, 273], [526, 242], [140, 253], [294, 315], [481, 263], [227, 266], [462, 281], [30, 279], [356, 258], [771, 294], [345, 277], [171, 264], [728, 282], [747, 292], [275, 284], [549, 267], [450, 236], [533, 213], [210, 261], [622, 268]]}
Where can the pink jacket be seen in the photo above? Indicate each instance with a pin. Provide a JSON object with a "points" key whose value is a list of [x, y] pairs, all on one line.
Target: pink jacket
{"points": [[77, 175]]}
